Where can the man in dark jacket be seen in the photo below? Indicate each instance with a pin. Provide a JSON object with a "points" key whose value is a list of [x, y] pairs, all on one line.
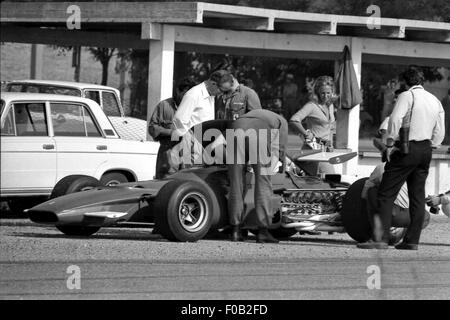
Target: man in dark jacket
{"points": [[160, 126], [235, 101], [261, 141]]}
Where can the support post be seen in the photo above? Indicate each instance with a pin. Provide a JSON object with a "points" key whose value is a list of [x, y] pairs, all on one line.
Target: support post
{"points": [[37, 59], [160, 69], [347, 121]]}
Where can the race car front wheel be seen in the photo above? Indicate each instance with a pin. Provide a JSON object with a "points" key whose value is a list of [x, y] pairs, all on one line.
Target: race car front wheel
{"points": [[183, 211]]}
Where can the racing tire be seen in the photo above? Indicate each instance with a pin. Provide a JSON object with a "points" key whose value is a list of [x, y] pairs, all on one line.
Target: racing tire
{"points": [[79, 231], [183, 211], [283, 233], [113, 179], [75, 183], [354, 213]]}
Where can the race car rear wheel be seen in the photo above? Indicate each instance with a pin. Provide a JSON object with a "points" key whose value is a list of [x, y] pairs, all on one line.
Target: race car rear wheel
{"points": [[354, 213], [183, 211], [79, 231], [74, 183]]}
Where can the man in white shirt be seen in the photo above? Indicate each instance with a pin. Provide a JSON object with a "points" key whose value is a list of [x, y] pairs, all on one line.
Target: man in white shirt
{"points": [[422, 112], [197, 106]]}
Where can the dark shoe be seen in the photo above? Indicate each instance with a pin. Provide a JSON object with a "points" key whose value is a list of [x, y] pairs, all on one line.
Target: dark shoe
{"points": [[264, 236], [372, 245], [236, 234], [407, 246]]}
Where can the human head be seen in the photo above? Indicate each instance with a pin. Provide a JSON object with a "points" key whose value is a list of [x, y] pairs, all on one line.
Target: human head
{"points": [[413, 76], [217, 79], [181, 88], [324, 89]]}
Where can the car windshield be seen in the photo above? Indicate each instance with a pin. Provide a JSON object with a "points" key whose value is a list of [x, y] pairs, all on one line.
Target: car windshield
{"points": [[43, 88]]}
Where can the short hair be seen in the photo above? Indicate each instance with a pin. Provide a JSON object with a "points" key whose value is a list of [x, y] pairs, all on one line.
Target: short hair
{"points": [[323, 81], [413, 76], [221, 76], [185, 84]]}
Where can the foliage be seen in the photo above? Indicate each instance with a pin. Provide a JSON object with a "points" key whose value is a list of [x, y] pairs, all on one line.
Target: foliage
{"points": [[103, 55]]}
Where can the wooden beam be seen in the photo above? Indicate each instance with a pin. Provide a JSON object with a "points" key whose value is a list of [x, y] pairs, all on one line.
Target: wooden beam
{"points": [[406, 49], [428, 36], [37, 60], [303, 27], [150, 30], [260, 40], [405, 61], [240, 24], [160, 70], [384, 32], [280, 53], [163, 12], [65, 37]]}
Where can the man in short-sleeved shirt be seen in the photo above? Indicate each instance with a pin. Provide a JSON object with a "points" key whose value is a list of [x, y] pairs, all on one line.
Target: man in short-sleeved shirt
{"points": [[160, 125]]}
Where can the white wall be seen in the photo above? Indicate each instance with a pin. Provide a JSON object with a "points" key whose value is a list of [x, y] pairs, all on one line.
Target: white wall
{"points": [[438, 177]]}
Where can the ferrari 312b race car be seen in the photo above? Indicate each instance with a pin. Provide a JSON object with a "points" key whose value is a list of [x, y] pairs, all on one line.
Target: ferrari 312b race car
{"points": [[192, 202]]}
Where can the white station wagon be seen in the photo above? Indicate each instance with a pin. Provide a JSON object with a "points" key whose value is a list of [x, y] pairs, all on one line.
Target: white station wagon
{"points": [[46, 137], [108, 98]]}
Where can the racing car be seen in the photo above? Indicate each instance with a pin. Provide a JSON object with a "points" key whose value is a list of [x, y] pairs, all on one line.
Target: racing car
{"points": [[192, 203]]}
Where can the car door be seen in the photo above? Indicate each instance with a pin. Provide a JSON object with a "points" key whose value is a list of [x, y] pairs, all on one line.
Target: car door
{"points": [[79, 142], [28, 154]]}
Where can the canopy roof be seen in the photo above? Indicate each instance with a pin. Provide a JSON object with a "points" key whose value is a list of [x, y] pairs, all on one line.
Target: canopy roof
{"points": [[217, 28]]}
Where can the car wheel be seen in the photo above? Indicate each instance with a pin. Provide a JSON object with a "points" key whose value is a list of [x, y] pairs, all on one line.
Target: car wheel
{"points": [[75, 183], [80, 231], [283, 233], [113, 178], [354, 213], [183, 211]]}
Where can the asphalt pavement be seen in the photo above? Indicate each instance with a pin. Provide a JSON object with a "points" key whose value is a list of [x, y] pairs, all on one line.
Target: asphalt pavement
{"points": [[38, 262]]}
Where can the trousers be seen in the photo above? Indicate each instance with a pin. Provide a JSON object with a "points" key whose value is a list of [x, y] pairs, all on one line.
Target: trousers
{"points": [[237, 174], [412, 168]]}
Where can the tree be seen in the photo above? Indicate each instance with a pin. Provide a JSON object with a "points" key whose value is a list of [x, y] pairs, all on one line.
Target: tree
{"points": [[103, 55]]}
